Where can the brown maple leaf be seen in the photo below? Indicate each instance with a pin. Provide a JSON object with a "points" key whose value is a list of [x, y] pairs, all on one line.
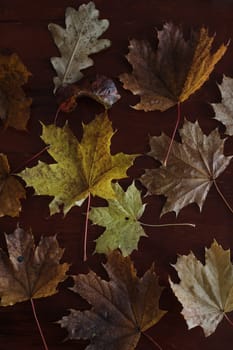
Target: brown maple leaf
{"points": [[170, 74], [193, 167], [14, 105], [122, 309], [29, 271], [11, 190]]}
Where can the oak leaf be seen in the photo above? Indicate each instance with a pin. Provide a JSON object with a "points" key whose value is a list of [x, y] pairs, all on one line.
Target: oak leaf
{"points": [[11, 190], [14, 105], [76, 42], [205, 291], [123, 230], [224, 110], [101, 89], [170, 74], [82, 167], [123, 307], [193, 167], [29, 271]]}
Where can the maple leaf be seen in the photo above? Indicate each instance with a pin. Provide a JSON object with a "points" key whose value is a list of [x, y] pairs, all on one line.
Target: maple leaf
{"points": [[170, 74], [29, 271], [14, 105], [122, 309], [123, 230], [11, 190], [79, 40], [224, 110], [102, 90], [82, 168], [205, 291], [193, 167]]}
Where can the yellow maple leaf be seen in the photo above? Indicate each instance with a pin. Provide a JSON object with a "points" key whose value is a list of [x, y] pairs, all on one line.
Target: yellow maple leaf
{"points": [[82, 168]]}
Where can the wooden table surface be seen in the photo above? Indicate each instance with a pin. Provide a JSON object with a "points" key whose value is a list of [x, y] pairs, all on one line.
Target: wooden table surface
{"points": [[23, 29]]}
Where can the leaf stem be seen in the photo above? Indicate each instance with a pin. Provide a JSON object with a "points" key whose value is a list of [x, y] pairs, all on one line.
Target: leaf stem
{"points": [[173, 135], [86, 228], [38, 325], [228, 320], [30, 159], [222, 196], [57, 114], [152, 340], [166, 225]]}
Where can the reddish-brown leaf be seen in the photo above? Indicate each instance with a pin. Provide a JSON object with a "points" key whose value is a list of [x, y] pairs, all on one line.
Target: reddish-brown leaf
{"points": [[29, 271], [122, 309], [101, 89]]}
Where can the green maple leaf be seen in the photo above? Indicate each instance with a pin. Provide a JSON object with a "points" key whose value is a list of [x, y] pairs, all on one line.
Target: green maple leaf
{"points": [[123, 230], [82, 168]]}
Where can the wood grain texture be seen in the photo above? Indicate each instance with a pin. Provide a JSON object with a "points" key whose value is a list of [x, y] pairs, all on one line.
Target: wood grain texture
{"points": [[23, 29]]}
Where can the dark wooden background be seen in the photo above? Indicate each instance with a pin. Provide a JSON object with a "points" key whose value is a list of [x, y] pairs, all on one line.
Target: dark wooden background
{"points": [[23, 29]]}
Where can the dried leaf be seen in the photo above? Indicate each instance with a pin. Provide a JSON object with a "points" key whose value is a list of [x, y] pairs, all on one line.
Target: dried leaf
{"points": [[224, 110], [76, 42], [14, 105], [82, 168], [122, 309], [205, 291], [29, 271], [193, 167], [102, 90], [11, 190], [174, 71], [120, 218]]}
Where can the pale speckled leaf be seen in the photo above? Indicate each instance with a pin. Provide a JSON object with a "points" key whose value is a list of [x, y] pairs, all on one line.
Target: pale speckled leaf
{"points": [[82, 167], [29, 271], [193, 166], [123, 307], [174, 71], [205, 291], [224, 110], [120, 218], [76, 42]]}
